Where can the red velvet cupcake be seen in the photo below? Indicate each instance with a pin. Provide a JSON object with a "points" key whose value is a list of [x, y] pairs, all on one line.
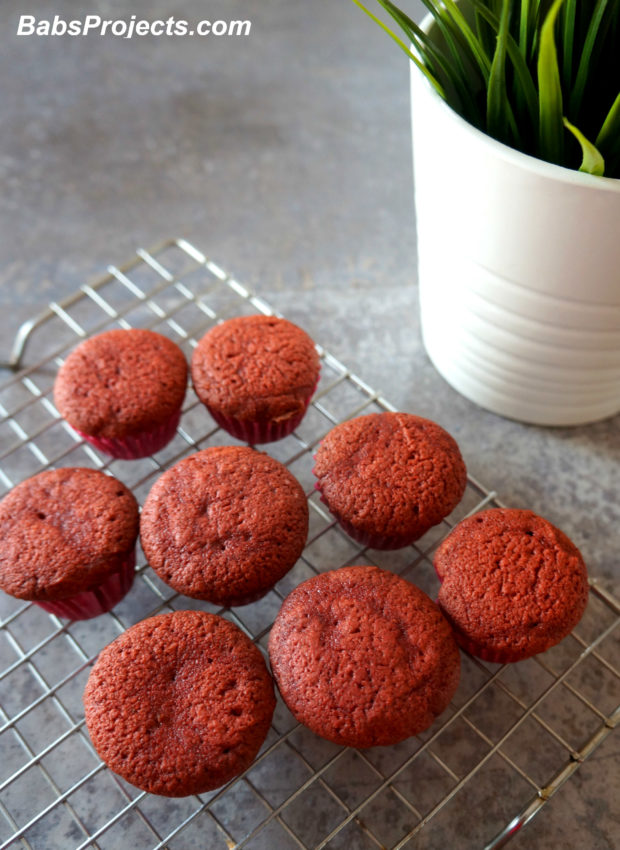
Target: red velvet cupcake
{"points": [[180, 703], [224, 524], [363, 657], [389, 477], [68, 542], [123, 390], [256, 376], [513, 585]]}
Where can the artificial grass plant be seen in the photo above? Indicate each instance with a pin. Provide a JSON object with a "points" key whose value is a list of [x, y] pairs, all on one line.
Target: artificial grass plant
{"points": [[542, 76]]}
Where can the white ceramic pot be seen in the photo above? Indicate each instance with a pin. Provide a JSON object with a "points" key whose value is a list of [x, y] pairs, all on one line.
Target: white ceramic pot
{"points": [[519, 272]]}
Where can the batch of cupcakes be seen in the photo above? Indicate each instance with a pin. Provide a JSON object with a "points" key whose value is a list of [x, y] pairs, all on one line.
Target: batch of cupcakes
{"points": [[181, 703]]}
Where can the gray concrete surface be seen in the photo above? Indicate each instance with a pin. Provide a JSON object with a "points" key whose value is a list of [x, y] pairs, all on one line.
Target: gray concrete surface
{"points": [[286, 156]]}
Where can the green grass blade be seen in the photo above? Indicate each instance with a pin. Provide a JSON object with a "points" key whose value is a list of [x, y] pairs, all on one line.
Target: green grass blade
{"points": [[592, 162], [466, 82], [524, 27], [473, 43], [451, 67], [530, 14], [538, 13], [426, 47], [484, 33], [526, 86], [458, 45], [581, 78], [551, 126], [408, 26], [498, 105], [608, 139], [434, 82], [568, 42]]}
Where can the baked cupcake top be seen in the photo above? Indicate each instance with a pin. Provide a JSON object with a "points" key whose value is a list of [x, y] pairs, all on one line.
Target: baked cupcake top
{"points": [[363, 657], [179, 703], [63, 531], [390, 476], [224, 524], [255, 368], [513, 584], [121, 383]]}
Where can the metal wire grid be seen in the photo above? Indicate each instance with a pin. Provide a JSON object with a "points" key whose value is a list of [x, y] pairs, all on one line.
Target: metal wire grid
{"points": [[509, 740]]}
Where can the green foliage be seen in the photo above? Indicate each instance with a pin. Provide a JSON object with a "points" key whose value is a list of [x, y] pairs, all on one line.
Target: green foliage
{"points": [[542, 76]]}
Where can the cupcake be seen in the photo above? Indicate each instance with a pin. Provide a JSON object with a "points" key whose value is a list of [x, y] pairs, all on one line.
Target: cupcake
{"points": [[362, 657], [256, 376], [512, 585], [224, 525], [122, 391], [179, 704], [389, 477], [68, 541]]}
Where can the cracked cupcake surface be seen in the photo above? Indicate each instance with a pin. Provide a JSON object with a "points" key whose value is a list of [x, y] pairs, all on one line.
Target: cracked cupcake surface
{"points": [[513, 584], [180, 703], [224, 525], [389, 477], [363, 657]]}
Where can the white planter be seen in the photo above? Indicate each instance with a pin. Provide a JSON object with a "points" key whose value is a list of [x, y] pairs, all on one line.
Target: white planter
{"points": [[519, 272]]}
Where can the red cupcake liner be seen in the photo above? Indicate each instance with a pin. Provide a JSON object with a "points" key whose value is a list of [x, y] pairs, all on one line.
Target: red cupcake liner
{"points": [[439, 575], [139, 445], [97, 600], [481, 652], [238, 601], [487, 654], [256, 431]]}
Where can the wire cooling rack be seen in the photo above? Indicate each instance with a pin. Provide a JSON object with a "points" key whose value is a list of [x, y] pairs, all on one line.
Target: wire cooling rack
{"points": [[511, 737]]}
